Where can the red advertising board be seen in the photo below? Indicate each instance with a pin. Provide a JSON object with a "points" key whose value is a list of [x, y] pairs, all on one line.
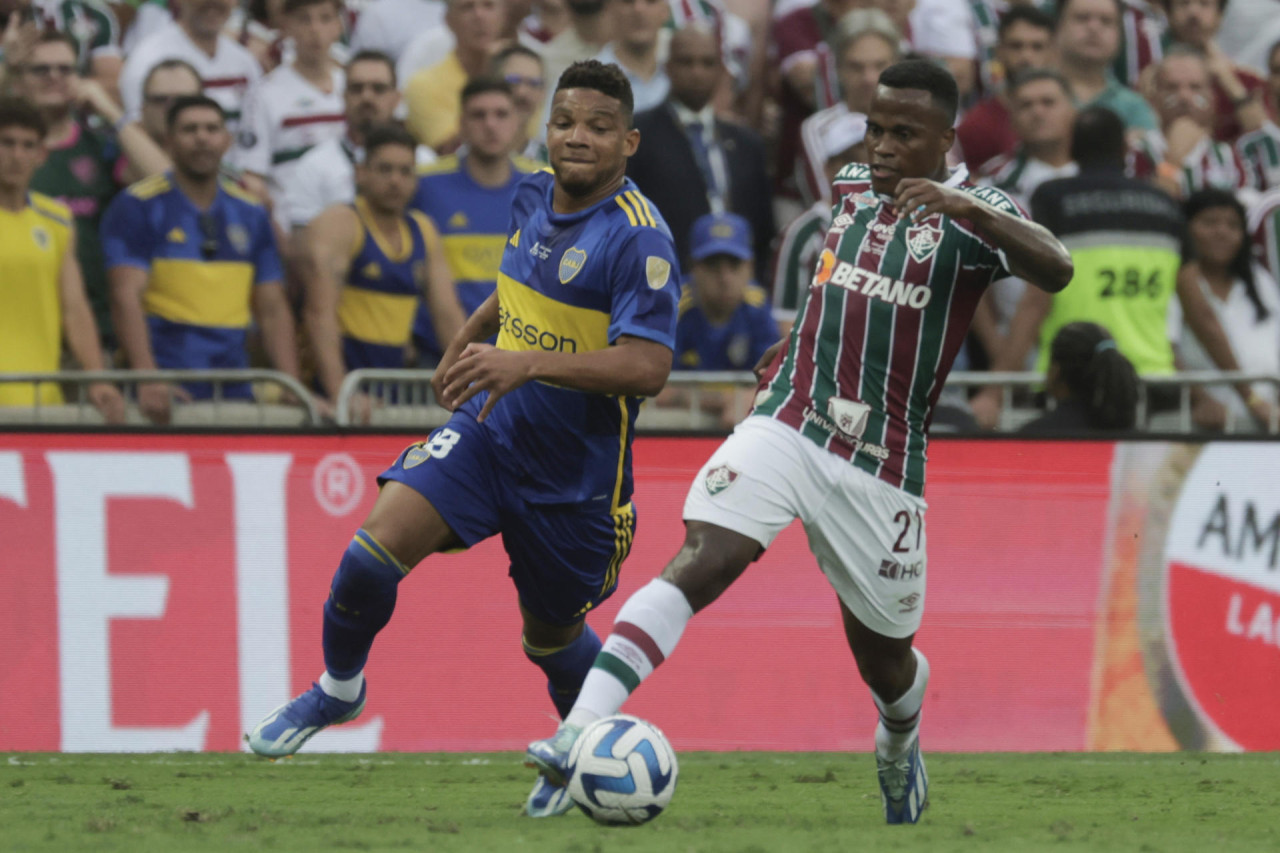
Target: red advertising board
{"points": [[164, 592]]}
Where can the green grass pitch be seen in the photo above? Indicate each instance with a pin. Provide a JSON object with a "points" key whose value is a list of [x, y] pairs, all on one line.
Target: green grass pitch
{"points": [[725, 802]]}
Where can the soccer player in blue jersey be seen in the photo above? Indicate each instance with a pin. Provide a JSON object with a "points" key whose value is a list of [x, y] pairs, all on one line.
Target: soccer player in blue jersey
{"points": [[539, 445]]}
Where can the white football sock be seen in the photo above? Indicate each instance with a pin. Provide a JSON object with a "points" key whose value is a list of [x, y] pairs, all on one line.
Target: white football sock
{"points": [[646, 631], [348, 690], [900, 719]]}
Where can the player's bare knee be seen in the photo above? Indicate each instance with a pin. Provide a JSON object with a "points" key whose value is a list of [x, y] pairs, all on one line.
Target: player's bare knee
{"points": [[710, 560], [544, 635], [407, 525]]}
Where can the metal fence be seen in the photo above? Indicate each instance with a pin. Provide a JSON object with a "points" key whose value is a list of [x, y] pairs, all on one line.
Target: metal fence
{"points": [[395, 397], [278, 400], [697, 401]]}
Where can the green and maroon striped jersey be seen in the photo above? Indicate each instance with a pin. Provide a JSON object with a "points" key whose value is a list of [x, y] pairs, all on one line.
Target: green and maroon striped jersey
{"points": [[887, 311]]}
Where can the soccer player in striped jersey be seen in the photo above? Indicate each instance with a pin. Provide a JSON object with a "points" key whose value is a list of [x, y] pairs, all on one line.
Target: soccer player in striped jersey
{"points": [[839, 430], [539, 445], [297, 105], [839, 142]]}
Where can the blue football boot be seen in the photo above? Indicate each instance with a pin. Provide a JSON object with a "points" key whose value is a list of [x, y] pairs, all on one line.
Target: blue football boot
{"points": [[287, 728], [904, 786]]}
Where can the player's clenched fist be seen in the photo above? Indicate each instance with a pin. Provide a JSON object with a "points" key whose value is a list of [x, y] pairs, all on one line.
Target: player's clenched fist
{"points": [[484, 367]]}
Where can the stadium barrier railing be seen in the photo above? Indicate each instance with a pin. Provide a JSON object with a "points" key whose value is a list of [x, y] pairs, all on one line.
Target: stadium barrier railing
{"points": [[695, 401], [278, 400], [390, 398]]}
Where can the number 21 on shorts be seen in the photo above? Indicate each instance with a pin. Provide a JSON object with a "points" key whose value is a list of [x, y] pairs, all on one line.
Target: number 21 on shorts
{"points": [[911, 531]]}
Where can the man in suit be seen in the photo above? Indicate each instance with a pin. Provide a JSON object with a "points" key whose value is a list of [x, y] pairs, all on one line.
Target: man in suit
{"points": [[691, 163]]}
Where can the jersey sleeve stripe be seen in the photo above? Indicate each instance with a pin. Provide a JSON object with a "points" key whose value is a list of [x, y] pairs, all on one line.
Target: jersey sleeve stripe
{"points": [[641, 202], [631, 217]]}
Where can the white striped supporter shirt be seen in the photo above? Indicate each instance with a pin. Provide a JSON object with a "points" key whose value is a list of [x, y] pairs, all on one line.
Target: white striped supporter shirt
{"points": [[1264, 226], [1260, 151], [285, 116], [1210, 164], [227, 75]]}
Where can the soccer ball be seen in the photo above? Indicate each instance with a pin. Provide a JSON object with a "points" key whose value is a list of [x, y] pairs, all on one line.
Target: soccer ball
{"points": [[622, 770]]}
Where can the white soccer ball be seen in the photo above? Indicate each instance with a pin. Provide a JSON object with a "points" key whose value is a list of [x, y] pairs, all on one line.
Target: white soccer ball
{"points": [[622, 770]]}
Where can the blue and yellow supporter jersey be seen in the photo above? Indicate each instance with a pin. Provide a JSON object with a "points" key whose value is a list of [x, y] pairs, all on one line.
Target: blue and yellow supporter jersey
{"points": [[472, 221], [202, 267], [380, 295], [576, 283], [735, 344]]}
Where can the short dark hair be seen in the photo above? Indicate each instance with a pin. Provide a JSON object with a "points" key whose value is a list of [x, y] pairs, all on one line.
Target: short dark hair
{"points": [[291, 6], [374, 56], [172, 65], [482, 86], [19, 112], [926, 76], [1061, 10], [513, 49], [1033, 75], [607, 79], [1097, 139], [1028, 15], [190, 102], [383, 135]]}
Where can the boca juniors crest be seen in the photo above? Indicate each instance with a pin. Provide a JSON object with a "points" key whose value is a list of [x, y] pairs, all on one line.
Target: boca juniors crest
{"points": [[571, 263]]}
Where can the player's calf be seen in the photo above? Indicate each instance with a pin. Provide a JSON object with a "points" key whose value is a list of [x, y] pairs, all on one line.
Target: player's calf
{"points": [[361, 600], [566, 667]]}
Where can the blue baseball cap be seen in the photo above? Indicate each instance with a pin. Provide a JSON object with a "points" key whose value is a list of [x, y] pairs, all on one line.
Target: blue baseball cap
{"points": [[721, 234]]}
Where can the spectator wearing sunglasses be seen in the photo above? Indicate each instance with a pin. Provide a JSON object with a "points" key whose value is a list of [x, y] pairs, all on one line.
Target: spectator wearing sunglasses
{"points": [[521, 69], [92, 151], [192, 260], [163, 86]]}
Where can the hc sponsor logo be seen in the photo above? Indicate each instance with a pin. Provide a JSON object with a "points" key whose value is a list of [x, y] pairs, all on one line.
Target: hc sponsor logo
{"points": [[896, 571], [534, 335]]}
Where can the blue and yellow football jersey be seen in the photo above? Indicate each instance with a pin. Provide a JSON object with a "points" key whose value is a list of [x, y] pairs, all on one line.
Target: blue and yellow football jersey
{"points": [[472, 221], [202, 268], [575, 283], [380, 296], [736, 344]]}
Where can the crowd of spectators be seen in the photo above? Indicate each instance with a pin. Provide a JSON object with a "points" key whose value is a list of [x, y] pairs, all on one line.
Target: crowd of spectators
{"points": [[318, 186]]}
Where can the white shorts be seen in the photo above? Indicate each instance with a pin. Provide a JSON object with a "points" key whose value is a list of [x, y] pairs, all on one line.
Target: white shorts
{"points": [[868, 536]]}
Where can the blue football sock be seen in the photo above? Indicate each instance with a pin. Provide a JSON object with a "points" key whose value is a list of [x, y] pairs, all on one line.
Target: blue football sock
{"points": [[361, 600], [566, 667]]}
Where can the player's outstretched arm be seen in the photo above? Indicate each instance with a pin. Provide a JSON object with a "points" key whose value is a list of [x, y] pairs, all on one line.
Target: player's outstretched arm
{"points": [[632, 367], [1032, 251]]}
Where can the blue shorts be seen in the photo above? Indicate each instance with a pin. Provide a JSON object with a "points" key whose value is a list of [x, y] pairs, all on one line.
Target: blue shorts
{"points": [[564, 559]]}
